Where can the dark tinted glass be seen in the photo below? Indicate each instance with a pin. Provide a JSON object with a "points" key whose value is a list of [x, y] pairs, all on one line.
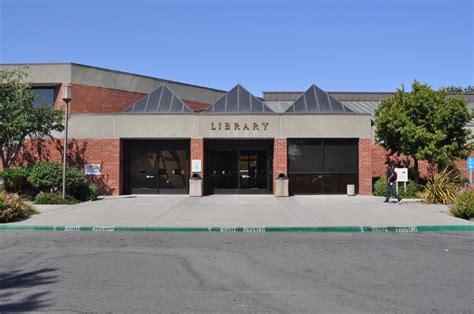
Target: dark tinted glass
{"points": [[223, 170], [232, 101], [257, 106], [323, 100], [154, 100], [306, 183], [305, 156], [337, 183], [140, 105], [176, 105], [43, 96], [244, 101], [299, 105], [336, 105], [340, 156], [219, 106], [165, 103], [311, 102]]}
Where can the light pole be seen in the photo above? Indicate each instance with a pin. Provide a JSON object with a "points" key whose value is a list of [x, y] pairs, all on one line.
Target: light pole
{"points": [[67, 97]]}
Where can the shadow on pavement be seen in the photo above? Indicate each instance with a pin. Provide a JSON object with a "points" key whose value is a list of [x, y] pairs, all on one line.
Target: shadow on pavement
{"points": [[12, 282]]}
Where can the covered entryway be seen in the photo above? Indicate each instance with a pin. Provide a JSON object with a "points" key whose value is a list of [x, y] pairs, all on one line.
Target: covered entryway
{"points": [[238, 166], [156, 166]]}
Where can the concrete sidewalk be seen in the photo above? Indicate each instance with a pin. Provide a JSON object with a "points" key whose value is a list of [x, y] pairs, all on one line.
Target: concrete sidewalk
{"points": [[243, 210]]}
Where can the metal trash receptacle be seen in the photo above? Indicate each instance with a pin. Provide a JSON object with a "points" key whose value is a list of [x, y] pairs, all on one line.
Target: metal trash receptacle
{"points": [[351, 190], [195, 186], [282, 186]]}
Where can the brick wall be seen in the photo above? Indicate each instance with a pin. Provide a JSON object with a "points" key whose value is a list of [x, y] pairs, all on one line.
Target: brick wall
{"points": [[197, 152], [280, 158], [106, 152], [365, 166], [99, 99]]}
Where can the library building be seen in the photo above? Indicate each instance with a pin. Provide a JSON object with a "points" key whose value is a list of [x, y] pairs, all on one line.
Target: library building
{"points": [[135, 134]]}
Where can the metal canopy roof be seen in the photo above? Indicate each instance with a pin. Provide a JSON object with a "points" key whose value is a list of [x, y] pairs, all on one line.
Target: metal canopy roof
{"points": [[238, 100], [161, 100], [317, 100]]}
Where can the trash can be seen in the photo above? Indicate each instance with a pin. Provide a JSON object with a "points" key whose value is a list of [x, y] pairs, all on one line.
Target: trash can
{"points": [[195, 185], [351, 190], [281, 186]]}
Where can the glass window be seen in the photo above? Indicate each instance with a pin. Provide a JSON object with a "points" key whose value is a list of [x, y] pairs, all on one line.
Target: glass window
{"points": [[244, 101], [232, 100], [340, 156], [44, 96], [154, 100], [305, 156], [165, 103], [323, 101], [306, 183], [311, 102]]}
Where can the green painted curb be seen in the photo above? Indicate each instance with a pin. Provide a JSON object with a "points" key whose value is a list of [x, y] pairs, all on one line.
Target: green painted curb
{"points": [[346, 229]]}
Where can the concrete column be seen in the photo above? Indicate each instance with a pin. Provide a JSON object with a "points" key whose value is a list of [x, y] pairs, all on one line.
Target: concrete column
{"points": [[365, 166], [280, 158]]}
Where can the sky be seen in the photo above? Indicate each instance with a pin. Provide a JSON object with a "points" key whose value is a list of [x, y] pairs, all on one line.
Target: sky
{"points": [[284, 45]]}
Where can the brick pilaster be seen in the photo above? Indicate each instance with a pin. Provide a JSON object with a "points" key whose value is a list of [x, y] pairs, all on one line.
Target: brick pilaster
{"points": [[365, 166], [197, 152], [280, 158]]}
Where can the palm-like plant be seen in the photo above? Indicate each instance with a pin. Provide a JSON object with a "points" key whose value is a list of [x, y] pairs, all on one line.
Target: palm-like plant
{"points": [[442, 187]]}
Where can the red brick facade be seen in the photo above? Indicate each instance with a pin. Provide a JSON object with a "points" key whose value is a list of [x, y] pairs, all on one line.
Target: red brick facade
{"points": [[365, 166], [99, 99], [106, 152], [280, 158], [197, 152]]}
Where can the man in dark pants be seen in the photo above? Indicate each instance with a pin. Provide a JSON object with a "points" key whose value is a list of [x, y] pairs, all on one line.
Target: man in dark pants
{"points": [[391, 179]]}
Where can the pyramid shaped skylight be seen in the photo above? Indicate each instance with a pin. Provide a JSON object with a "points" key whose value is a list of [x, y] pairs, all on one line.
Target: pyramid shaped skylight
{"points": [[238, 100], [317, 100], [161, 100]]}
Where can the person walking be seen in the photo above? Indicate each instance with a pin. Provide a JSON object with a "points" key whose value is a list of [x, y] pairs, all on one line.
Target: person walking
{"points": [[391, 179]]}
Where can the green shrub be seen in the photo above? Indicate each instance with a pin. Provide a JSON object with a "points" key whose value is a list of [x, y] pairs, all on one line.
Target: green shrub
{"points": [[16, 179], [48, 177], [464, 205], [53, 199], [94, 192], [380, 188], [12, 208]]}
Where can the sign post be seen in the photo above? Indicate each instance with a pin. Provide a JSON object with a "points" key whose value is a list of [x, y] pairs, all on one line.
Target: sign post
{"points": [[470, 166]]}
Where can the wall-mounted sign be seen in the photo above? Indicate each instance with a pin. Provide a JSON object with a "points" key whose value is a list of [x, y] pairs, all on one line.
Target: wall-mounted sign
{"points": [[196, 165], [236, 126], [402, 174], [92, 169]]}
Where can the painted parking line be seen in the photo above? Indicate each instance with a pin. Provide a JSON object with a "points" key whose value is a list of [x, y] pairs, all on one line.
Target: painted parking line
{"points": [[346, 229]]}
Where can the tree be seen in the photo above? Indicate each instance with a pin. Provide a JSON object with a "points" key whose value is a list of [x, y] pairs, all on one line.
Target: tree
{"points": [[19, 120], [424, 124]]}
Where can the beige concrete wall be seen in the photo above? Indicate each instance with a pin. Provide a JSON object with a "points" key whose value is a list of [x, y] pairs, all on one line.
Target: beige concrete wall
{"points": [[218, 126], [326, 126]]}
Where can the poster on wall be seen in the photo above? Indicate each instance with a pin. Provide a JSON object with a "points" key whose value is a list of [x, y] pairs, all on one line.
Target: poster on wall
{"points": [[196, 165], [92, 169]]}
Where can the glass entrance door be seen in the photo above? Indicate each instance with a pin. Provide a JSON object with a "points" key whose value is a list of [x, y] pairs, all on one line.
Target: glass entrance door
{"points": [[143, 171], [172, 171], [156, 167], [232, 171], [253, 170]]}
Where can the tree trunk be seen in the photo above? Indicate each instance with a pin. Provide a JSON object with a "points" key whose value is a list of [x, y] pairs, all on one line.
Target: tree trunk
{"points": [[415, 168]]}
